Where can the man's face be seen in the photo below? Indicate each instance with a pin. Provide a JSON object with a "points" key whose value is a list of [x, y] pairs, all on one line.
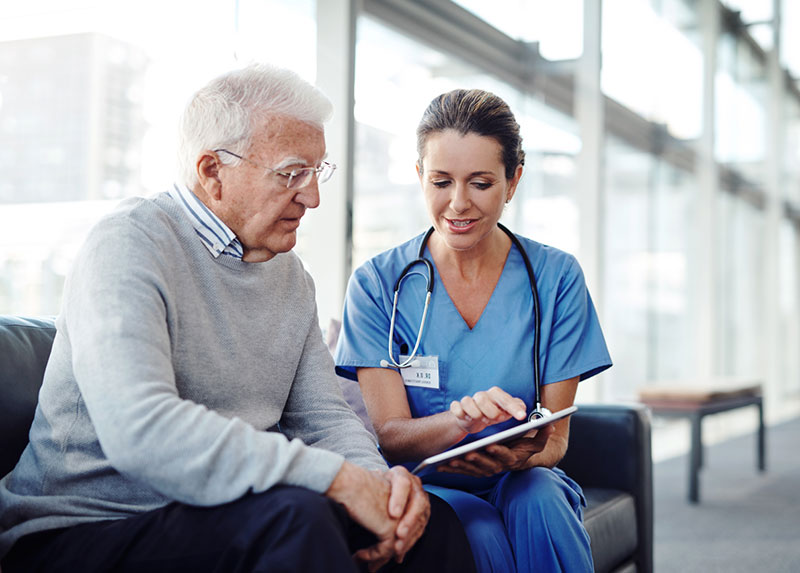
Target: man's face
{"points": [[255, 203]]}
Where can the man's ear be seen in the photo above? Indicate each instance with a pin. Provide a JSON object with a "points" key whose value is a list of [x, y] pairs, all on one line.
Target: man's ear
{"points": [[208, 165]]}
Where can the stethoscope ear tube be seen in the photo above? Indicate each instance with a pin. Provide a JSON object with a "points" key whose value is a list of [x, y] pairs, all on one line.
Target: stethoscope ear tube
{"points": [[404, 275], [410, 361]]}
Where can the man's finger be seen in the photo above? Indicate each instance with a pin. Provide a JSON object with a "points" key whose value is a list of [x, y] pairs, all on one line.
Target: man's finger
{"points": [[412, 525], [377, 555], [402, 483]]}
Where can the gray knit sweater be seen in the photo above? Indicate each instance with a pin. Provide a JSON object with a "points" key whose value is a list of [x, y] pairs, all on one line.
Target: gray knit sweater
{"points": [[167, 372]]}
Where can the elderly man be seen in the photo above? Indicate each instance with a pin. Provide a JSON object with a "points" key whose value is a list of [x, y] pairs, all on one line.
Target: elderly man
{"points": [[189, 418]]}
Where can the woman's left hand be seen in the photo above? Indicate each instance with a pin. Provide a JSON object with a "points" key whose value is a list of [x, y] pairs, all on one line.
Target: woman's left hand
{"points": [[497, 458]]}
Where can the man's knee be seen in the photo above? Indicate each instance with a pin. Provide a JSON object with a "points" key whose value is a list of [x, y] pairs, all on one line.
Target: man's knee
{"points": [[444, 545], [292, 525], [289, 512]]}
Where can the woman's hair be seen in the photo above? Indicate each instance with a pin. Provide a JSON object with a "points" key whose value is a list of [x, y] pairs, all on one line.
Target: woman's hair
{"points": [[474, 111], [224, 113]]}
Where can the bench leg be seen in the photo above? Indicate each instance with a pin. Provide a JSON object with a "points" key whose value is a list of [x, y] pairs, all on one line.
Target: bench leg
{"points": [[695, 458]]}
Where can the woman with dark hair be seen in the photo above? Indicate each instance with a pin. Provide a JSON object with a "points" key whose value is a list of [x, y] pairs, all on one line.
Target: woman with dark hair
{"points": [[469, 371]]}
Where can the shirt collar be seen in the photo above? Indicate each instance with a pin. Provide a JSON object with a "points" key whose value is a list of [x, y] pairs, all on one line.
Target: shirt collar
{"points": [[213, 233]]}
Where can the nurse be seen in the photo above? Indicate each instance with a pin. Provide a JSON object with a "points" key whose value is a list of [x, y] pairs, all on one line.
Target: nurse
{"points": [[473, 373]]}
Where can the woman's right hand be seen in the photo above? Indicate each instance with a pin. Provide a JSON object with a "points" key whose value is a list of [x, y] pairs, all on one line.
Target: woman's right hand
{"points": [[486, 408]]}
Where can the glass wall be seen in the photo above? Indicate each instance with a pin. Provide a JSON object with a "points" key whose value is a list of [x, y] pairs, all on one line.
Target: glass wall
{"points": [[555, 26], [741, 270], [790, 41], [654, 67], [741, 114], [90, 93], [388, 206], [649, 329], [545, 207], [790, 181], [628, 286], [789, 309]]}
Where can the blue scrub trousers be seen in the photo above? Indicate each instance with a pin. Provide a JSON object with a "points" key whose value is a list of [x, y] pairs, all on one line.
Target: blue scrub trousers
{"points": [[531, 520]]}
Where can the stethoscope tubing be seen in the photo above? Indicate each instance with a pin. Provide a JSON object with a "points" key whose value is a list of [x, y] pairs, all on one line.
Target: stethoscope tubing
{"points": [[537, 317], [538, 411]]}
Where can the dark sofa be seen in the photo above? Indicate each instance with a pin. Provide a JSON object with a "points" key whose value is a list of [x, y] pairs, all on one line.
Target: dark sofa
{"points": [[609, 455], [609, 451]]}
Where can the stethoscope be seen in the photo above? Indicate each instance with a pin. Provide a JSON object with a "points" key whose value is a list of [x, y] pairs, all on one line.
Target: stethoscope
{"points": [[411, 361]]}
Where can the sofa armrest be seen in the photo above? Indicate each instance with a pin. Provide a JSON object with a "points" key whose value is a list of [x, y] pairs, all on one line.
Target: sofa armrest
{"points": [[24, 349], [610, 448]]}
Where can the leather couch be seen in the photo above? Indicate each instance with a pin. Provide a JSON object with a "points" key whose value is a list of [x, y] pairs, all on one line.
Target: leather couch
{"points": [[609, 452], [609, 455]]}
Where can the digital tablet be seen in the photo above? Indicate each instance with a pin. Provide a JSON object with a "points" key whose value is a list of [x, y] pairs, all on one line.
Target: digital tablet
{"points": [[497, 438]]}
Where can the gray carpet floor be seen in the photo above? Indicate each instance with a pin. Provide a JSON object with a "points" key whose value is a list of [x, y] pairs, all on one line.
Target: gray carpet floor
{"points": [[745, 521]]}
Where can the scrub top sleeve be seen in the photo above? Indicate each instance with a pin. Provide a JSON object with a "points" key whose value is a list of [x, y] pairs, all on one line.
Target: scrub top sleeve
{"points": [[576, 346], [365, 323]]}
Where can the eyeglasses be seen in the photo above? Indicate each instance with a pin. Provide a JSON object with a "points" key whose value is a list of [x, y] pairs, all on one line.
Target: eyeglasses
{"points": [[296, 178]]}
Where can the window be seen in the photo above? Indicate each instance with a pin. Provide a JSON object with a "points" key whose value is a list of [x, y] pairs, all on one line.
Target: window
{"points": [[90, 94], [653, 66], [390, 100]]}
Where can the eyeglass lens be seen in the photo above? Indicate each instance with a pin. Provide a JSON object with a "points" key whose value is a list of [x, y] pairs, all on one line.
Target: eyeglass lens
{"points": [[302, 177]]}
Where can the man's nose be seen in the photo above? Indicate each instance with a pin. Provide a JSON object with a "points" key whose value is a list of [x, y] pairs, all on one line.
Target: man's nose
{"points": [[309, 195]]}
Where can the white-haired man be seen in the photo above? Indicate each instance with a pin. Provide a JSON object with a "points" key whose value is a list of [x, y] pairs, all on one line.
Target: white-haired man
{"points": [[189, 418]]}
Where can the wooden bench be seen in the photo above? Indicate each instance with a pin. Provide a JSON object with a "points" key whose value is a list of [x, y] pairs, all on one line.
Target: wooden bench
{"points": [[695, 401]]}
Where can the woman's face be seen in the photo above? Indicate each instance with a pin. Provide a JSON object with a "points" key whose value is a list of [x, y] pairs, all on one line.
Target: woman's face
{"points": [[463, 178]]}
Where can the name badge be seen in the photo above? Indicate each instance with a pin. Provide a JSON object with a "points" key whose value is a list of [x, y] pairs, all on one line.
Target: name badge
{"points": [[426, 375]]}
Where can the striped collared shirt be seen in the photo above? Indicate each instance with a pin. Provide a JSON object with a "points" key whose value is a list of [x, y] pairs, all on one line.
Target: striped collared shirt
{"points": [[214, 234]]}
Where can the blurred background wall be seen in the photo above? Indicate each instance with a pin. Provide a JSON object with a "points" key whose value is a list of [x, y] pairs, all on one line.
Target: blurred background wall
{"points": [[662, 141]]}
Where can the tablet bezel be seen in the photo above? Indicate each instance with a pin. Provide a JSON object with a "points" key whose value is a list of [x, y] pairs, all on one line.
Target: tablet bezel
{"points": [[499, 437]]}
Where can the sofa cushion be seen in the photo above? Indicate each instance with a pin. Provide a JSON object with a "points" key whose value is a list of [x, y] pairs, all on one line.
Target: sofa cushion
{"points": [[610, 521], [24, 348]]}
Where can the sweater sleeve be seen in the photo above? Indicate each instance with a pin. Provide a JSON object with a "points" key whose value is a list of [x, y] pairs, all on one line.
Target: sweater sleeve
{"points": [[317, 413], [115, 317]]}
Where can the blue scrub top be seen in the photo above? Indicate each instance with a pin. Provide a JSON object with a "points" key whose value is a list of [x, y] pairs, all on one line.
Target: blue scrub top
{"points": [[498, 351]]}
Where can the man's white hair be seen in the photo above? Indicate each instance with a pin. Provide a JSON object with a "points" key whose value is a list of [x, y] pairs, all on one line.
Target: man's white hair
{"points": [[223, 113]]}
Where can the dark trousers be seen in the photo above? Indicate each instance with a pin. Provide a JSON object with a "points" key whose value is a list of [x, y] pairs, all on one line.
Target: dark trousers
{"points": [[284, 529]]}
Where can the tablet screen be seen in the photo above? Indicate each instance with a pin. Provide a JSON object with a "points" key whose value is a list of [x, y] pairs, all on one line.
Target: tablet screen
{"points": [[497, 438]]}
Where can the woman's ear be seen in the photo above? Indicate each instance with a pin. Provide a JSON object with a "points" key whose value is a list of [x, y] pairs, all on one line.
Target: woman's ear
{"points": [[207, 166], [513, 182], [418, 166]]}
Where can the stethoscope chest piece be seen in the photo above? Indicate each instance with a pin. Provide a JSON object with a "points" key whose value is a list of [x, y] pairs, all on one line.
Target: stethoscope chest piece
{"points": [[539, 413]]}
